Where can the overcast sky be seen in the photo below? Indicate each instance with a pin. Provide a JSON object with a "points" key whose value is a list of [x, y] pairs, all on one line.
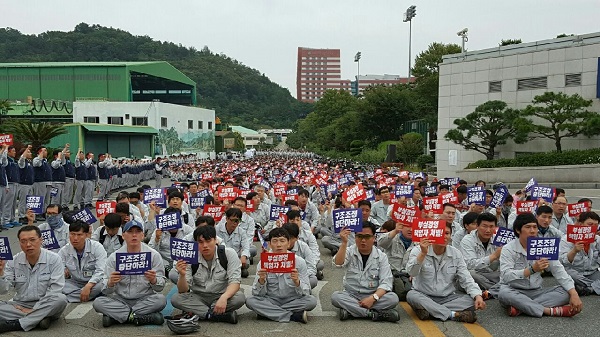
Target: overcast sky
{"points": [[265, 34]]}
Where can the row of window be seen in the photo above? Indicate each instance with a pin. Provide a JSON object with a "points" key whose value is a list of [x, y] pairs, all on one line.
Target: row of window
{"points": [[191, 124], [571, 80], [65, 77], [143, 121]]}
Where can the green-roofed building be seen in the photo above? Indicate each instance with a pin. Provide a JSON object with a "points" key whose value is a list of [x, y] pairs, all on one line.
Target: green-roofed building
{"points": [[109, 81]]}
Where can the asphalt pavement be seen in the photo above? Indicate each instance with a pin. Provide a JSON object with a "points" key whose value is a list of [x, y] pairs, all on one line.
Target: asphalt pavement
{"points": [[82, 320]]}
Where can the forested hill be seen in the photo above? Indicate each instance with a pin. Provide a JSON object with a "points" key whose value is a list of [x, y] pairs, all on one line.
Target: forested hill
{"points": [[239, 94]]}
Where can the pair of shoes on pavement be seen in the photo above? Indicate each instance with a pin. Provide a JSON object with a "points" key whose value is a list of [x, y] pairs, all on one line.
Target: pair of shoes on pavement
{"points": [[390, 315], [149, 319], [227, 317]]}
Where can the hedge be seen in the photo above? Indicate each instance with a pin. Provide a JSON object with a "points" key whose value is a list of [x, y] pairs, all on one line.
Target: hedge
{"points": [[569, 157]]}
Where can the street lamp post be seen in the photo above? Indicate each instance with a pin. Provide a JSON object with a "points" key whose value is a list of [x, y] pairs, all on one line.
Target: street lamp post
{"points": [[465, 38], [410, 13], [357, 60]]}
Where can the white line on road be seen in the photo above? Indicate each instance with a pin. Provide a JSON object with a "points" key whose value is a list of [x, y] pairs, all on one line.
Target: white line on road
{"points": [[81, 310]]}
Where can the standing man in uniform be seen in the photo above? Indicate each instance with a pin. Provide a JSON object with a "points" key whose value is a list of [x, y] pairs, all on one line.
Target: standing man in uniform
{"points": [[10, 197], [104, 165], [26, 178], [69, 180], [90, 183], [42, 177], [158, 172], [81, 165]]}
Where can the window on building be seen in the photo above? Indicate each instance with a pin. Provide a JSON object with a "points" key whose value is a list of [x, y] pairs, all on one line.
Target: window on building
{"points": [[163, 122], [139, 121], [532, 83], [210, 125], [495, 86], [115, 120], [572, 80], [200, 125], [190, 125], [91, 120]]}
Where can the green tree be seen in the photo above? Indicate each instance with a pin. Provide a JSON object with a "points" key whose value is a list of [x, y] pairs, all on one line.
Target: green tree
{"points": [[239, 142], [490, 125], [564, 116], [170, 138], [411, 146], [426, 71], [36, 134]]}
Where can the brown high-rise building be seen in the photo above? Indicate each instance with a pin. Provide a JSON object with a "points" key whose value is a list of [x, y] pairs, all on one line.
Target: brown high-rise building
{"points": [[317, 71]]}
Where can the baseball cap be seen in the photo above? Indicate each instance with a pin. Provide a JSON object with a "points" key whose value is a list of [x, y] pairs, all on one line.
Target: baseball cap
{"points": [[129, 225]]}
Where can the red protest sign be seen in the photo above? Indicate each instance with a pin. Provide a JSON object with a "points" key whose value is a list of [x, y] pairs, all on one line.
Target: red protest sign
{"points": [[250, 206], [433, 204], [206, 176], [433, 230], [526, 206], [283, 218], [290, 197], [448, 198], [405, 215], [279, 190], [319, 181], [354, 194], [6, 139], [576, 209], [214, 211], [105, 207], [278, 262], [227, 193], [585, 234]]}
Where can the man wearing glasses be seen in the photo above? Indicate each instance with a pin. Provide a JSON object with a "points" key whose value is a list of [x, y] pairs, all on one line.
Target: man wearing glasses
{"points": [[235, 237], [368, 281], [247, 225], [560, 218], [481, 256], [38, 278]]}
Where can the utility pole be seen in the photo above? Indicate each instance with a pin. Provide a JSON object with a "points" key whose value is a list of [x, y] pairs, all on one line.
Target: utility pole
{"points": [[410, 13]]}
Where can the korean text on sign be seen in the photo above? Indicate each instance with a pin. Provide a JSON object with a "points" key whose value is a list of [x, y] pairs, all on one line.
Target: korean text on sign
{"points": [[434, 230], [585, 234], [542, 192], [354, 194], [404, 191], [49, 240], [184, 250], [526, 206], [105, 207], [276, 210], [405, 215], [350, 218], [575, 209], [133, 263], [476, 197], [85, 215], [197, 202], [539, 248], [35, 203], [278, 262], [168, 221], [503, 236], [6, 139], [154, 194], [499, 197], [432, 204], [215, 211], [5, 253]]}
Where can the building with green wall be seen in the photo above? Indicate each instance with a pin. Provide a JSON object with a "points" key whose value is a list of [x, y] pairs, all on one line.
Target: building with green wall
{"points": [[118, 140], [109, 81]]}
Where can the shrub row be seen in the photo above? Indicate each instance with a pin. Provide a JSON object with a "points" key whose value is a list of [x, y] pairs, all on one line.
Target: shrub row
{"points": [[569, 157]]}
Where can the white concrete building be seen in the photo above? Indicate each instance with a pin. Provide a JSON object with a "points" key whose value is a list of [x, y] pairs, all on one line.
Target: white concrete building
{"points": [[514, 74], [251, 137], [181, 128]]}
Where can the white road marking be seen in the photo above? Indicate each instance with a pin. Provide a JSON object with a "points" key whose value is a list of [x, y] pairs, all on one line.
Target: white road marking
{"points": [[81, 310]]}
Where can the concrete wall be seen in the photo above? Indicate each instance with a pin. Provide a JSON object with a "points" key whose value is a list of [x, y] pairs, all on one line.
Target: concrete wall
{"points": [[572, 174], [464, 85]]}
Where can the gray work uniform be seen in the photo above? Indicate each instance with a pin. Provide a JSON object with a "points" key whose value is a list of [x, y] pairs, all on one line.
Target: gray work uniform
{"points": [[80, 185], [237, 240], [61, 233], [477, 257], [111, 243], [301, 249], [134, 293], [88, 269], [312, 215], [585, 268], [380, 211], [527, 294], [561, 224], [104, 184], [552, 232], [333, 241], [397, 254], [248, 226], [58, 185], [434, 283], [38, 287], [261, 214], [362, 281], [209, 283], [278, 298]]}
